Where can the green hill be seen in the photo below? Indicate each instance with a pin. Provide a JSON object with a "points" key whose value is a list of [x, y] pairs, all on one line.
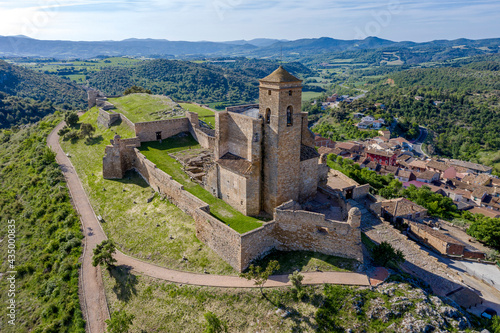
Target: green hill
{"points": [[47, 233], [27, 96]]}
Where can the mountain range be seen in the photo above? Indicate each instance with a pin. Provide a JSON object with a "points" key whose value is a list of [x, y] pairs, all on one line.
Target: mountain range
{"points": [[22, 46]]}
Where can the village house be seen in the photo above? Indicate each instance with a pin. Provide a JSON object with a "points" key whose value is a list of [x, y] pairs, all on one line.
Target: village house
{"points": [[443, 243], [471, 167], [427, 176], [381, 157], [396, 210], [405, 176]]}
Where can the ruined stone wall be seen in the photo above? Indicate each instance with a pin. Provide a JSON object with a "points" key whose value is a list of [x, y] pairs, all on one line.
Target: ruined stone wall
{"points": [[106, 119], [91, 97], [118, 157], [217, 235], [373, 205], [257, 243], [146, 131], [307, 231], [360, 192], [441, 245], [308, 179]]}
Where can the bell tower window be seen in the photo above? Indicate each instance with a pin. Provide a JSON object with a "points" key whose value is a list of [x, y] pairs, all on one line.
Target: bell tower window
{"points": [[289, 116], [269, 92], [289, 93], [268, 115]]}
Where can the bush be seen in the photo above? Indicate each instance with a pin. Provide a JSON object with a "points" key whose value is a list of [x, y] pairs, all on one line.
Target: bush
{"points": [[63, 131], [214, 324], [385, 253], [72, 135]]}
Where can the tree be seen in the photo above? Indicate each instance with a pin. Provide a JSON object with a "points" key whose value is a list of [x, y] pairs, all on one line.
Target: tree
{"points": [[103, 254], [136, 90], [119, 322], [296, 281], [259, 275], [384, 253], [71, 119], [214, 324], [86, 130]]}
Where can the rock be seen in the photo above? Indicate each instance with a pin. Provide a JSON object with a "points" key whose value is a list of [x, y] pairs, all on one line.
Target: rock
{"points": [[424, 310], [378, 310], [449, 312]]}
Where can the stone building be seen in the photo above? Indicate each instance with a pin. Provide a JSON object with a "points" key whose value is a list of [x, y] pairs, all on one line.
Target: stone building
{"points": [[261, 159], [264, 153]]}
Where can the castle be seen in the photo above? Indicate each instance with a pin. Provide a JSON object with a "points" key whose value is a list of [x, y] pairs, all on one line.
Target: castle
{"points": [[262, 161]]}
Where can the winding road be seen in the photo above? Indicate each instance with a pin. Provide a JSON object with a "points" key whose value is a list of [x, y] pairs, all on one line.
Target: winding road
{"points": [[92, 295]]}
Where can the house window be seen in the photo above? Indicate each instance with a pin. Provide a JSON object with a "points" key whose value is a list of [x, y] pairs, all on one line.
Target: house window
{"points": [[268, 115], [269, 92], [289, 93], [289, 116]]}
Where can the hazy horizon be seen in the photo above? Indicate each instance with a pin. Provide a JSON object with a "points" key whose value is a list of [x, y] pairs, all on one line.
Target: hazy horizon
{"points": [[228, 20]]}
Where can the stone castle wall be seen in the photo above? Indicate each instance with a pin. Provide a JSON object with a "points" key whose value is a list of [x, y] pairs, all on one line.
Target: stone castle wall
{"points": [[309, 231], [217, 235], [146, 131], [106, 119], [205, 140]]}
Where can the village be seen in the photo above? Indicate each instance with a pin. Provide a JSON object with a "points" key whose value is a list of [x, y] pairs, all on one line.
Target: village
{"points": [[471, 186]]}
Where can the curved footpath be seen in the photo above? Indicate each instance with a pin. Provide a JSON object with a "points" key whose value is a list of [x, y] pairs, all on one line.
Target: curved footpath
{"points": [[92, 288]]}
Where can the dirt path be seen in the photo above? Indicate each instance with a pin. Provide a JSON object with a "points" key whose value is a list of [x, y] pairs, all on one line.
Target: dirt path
{"points": [[92, 296]]}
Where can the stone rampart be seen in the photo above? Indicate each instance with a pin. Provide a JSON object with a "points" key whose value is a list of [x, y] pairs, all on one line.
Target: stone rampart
{"points": [[106, 119], [147, 131], [218, 236], [257, 243]]}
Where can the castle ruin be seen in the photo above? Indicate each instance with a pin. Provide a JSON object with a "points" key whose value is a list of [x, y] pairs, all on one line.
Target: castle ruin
{"points": [[262, 161]]}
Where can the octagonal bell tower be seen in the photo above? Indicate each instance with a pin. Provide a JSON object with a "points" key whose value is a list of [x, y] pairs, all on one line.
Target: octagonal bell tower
{"points": [[280, 99]]}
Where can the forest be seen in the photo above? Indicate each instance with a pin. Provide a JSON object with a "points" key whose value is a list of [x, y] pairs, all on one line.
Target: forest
{"points": [[27, 96], [189, 81]]}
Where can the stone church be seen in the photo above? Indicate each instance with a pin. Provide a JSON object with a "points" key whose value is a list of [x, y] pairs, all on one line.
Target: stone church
{"points": [[264, 153]]}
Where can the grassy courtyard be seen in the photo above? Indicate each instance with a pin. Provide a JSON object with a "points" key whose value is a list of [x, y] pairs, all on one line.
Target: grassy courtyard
{"points": [[156, 232], [158, 153], [144, 107]]}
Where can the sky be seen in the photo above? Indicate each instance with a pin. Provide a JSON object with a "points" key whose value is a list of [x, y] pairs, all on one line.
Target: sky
{"points": [[224, 20]]}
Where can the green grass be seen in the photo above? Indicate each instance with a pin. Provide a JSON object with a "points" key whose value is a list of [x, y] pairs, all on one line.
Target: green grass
{"points": [[158, 152], [144, 107], [139, 228], [204, 114], [306, 261], [491, 158], [307, 95], [160, 306]]}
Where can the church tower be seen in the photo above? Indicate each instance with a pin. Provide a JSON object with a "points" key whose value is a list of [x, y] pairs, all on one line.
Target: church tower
{"points": [[280, 98]]}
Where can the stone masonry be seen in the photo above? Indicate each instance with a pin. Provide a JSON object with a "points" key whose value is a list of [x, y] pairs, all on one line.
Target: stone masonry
{"points": [[264, 162]]}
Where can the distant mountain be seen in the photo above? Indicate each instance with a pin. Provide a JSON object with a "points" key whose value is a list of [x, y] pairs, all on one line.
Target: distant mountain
{"points": [[22, 46], [259, 42], [14, 46]]}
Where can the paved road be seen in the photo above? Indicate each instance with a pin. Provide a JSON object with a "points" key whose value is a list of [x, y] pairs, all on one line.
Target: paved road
{"points": [[93, 298], [417, 146]]}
